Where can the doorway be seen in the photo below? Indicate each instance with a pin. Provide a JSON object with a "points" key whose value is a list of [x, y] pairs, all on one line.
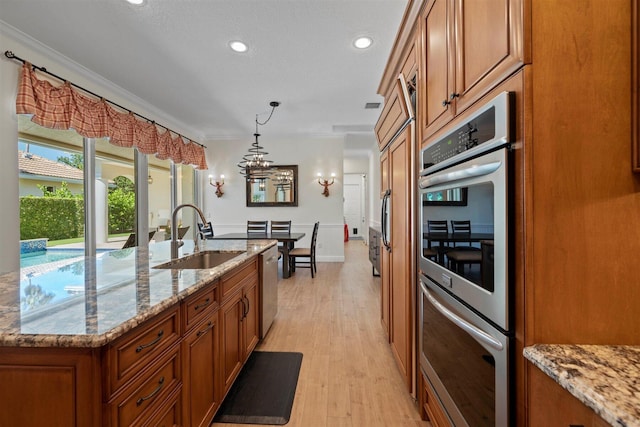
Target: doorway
{"points": [[354, 204]]}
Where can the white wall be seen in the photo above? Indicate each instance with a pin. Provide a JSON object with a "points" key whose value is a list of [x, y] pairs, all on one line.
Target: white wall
{"points": [[229, 213]]}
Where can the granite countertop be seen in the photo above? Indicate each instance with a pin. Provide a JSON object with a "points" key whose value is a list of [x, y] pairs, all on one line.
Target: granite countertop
{"points": [[606, 378], [90, 301]]}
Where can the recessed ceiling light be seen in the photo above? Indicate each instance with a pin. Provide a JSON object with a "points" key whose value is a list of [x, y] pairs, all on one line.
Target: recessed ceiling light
{"points": [[238, 46], [362, 42], [136, 1]]}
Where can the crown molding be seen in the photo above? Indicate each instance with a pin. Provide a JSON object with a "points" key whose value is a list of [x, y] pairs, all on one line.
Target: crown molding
{"points": [[159, 116]]}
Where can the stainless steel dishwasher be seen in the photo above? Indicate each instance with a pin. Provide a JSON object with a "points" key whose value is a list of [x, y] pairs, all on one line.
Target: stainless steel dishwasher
{"points": [[269, 288]]}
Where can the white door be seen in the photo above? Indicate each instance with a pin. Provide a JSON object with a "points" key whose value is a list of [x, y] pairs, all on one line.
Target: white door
{"points": [[354, 205]]}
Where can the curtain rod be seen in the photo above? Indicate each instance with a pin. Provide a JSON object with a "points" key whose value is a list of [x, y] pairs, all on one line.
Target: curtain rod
{"points": [[9, 54]]}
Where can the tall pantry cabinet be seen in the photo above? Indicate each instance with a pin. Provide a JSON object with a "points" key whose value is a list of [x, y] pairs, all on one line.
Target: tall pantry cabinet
{"points": [[575, 227], [396, 136]]}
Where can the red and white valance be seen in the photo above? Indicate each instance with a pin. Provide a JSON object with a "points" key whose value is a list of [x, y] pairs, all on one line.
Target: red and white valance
{"points": [[65, 108]]}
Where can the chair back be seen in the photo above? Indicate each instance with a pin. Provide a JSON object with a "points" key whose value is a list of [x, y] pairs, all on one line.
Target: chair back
{"points": [[461, 227], [437, 226], [182, 231], [314, 238], [281, 226], [257, 227], [206, 230], [131, 240]]}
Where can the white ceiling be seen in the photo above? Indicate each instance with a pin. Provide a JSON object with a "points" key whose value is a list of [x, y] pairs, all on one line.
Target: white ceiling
{"points": [[174, 55]]}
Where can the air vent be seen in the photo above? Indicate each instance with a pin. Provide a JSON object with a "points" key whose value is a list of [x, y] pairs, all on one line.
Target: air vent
{"points": [[371, 105]]}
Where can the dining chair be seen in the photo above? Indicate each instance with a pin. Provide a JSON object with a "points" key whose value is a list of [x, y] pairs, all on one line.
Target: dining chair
{"points": [[257, 227], [281, 227], [131, 240], [463, 252], [305, 253], [206, 230], [437, 228]]}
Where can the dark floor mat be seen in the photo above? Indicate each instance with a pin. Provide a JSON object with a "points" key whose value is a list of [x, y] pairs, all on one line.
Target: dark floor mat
{"points": [[263, 392]]}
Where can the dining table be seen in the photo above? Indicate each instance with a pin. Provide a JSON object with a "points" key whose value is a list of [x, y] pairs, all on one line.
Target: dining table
{"points": [[288, 240]]}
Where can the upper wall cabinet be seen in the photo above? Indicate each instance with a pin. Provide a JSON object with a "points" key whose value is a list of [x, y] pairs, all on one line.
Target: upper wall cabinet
{"points": [[468, 48]]}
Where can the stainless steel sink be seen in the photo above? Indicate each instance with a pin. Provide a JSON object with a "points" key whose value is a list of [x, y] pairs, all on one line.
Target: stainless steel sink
{"points": [[200, 260]]}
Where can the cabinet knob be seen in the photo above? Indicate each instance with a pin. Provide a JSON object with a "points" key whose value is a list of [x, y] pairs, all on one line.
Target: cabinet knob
{"points": [[446, 102], [454, 95]]}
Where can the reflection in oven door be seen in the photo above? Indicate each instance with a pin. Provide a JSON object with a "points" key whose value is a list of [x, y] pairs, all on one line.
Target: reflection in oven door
{"points": [[465, 359]]}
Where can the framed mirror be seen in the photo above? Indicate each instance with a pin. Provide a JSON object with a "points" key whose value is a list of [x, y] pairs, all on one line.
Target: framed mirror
{"points": [[279, 187], [452, 197]]}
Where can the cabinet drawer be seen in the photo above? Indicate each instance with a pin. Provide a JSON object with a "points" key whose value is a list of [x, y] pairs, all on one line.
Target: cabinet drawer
{"points": [[196, 306], [230, 281], [129, 354], [169, 414], [144, 397]]}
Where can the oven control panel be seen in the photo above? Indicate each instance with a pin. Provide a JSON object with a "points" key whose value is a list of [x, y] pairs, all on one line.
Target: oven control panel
{"points": [[487, 125]]}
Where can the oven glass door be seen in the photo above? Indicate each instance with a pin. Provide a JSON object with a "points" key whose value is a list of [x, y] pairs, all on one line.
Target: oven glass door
{"points": [[468, 254], [464, 358]]}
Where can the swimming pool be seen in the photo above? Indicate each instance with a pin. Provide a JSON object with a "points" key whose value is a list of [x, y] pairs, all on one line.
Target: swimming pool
{"points": [[50, 255]]}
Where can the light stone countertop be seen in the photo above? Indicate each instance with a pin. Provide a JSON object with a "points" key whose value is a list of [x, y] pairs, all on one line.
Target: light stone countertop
{"points": [[606, 378], [63, 304]]}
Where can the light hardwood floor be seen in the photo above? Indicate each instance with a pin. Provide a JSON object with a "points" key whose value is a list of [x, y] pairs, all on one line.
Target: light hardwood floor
{"points": [[348, 377]]}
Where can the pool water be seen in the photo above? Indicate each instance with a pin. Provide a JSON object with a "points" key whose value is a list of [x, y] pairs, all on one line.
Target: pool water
{"points": [[50, 255]]}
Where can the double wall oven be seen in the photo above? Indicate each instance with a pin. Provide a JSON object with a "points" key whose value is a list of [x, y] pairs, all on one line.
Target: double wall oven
{"points": [[465, 314]]}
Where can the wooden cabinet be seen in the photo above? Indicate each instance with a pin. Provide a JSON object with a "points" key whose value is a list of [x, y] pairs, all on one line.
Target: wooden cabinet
{"points": [[167, 371], [468, 48], [49, 387], [201, 359], [239, 321], [401, 267], [397, 261], [145, 395], [397, 268], [132, 352], [551, 405]]}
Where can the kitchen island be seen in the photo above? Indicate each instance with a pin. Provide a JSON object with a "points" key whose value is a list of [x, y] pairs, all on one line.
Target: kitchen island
{"points": [[602, 377], [111, 340]]}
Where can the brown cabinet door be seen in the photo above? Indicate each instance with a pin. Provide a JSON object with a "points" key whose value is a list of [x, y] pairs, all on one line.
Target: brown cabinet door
{"points": [[438, 82], [201, 372], [231, 352], [400, 264], [488, 46], [251, 321], [551, 405]]}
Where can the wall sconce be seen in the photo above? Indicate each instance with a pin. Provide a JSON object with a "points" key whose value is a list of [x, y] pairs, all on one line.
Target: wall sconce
{"points": [[325, 183], [217, 184], [150, 180]]}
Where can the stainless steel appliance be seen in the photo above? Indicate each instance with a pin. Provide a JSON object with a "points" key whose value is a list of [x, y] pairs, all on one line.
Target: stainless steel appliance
{"points": [[464, 294], [269, 288]]}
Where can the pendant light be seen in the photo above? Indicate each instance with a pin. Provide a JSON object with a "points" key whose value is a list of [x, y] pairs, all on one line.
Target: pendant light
{"points": [[255, 165]]}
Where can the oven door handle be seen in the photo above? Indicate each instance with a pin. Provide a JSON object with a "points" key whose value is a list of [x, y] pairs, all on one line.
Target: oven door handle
{"points": [[470, 172], [472, 330]]}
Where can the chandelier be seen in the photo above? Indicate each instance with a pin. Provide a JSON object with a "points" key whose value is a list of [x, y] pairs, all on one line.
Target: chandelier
{"points": [[254, 165]]}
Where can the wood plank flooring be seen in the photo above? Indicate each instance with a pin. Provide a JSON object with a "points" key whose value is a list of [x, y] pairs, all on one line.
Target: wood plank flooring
{"points": [[348, 376]]}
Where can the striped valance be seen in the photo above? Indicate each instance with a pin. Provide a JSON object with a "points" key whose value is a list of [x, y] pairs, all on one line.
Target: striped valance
{"points": [[64, 107]]}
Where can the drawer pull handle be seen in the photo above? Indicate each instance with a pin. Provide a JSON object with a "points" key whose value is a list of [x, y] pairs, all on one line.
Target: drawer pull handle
{"points": [[141, 400], [204, 331], [204, 304], [152, 343]]}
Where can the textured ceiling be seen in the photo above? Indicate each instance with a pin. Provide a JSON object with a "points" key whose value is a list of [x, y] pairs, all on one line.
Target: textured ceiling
{"points": [[174, 55]]}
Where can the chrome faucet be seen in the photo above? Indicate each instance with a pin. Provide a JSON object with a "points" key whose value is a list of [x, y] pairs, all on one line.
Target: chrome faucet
{"points": [[175, 244]]}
